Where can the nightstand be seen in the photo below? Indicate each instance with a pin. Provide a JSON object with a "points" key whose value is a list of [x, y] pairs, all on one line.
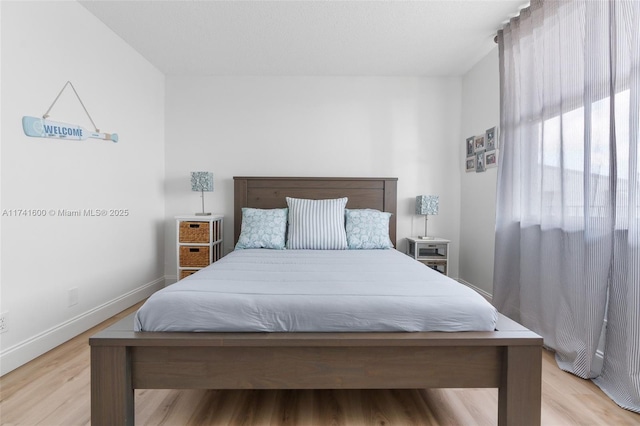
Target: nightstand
{"points": [[198, 243], [434, 252]]}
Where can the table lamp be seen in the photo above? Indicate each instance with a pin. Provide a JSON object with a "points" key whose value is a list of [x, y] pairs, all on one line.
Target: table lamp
{"points": [[426, 205], [202, 181]]}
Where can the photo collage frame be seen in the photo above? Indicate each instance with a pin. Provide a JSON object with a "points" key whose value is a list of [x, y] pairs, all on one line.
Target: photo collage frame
{"points": [[482, 151]]}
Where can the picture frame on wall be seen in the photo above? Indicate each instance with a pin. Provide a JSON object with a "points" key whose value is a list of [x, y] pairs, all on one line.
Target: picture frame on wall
{"points": [[491, 159], [471, 164], [470, 146], [479, 144], [491, 138], [480, 162]]}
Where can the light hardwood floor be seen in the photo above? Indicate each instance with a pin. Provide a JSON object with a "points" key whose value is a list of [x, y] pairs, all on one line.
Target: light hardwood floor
{"points": [[54, 390]]}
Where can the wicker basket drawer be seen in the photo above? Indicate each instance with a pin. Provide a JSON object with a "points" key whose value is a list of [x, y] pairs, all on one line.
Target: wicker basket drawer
{"points": [[194, 232], [194, 256], [186, 272]]}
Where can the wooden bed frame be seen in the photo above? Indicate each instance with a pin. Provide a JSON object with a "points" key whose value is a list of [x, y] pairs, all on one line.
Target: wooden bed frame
{"points": [[509, 358]]}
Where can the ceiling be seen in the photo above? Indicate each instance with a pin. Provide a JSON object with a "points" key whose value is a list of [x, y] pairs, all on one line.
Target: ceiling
{"points": [[308, 38]]}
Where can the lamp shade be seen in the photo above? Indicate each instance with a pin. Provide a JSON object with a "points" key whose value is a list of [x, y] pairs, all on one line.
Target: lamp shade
{"points": [[202, 181], [427, 204]]}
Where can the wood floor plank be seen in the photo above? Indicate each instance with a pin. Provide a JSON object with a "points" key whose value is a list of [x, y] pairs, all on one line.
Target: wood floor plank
{"points": [[54, 389]]}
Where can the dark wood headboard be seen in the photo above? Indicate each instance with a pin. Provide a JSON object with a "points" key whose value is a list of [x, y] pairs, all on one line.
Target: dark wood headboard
{"points": [[270, 193]]}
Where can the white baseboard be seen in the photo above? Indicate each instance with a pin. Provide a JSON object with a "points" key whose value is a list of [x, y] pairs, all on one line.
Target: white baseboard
{"points": [[27, 350], [599, 361], [484, 293]]}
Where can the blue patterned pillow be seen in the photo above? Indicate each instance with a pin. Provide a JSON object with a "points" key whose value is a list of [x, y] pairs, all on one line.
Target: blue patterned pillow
{"points": [[316, 224], [368, 229], [263, 228]]}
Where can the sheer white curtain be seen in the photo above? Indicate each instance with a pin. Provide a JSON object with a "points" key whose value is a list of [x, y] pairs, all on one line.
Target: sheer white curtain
{"points": [[567, 259]]}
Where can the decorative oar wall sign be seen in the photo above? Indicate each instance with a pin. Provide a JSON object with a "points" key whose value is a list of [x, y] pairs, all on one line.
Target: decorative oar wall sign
{"points": [[43, 128]]}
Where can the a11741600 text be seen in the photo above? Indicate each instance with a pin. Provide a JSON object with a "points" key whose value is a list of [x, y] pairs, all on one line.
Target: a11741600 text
{"points": [[65, 212]]}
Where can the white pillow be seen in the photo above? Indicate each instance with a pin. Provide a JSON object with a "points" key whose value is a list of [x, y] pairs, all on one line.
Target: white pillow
{"points": [[316, 224]]}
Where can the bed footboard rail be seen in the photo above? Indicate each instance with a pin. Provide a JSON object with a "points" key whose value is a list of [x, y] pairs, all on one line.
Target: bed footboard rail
{"points": [[509, 359]]}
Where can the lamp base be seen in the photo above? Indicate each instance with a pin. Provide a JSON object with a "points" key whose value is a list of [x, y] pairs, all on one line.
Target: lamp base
{"points": [[203, 214], [427, 238]]}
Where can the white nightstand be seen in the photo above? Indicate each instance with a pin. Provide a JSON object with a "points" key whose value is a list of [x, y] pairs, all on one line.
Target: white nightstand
{"points": [[434, 252], [198, 242]]}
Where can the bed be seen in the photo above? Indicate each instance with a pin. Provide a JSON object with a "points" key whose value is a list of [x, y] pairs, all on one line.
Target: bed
{"points": [[261, 290], [507, 358]]}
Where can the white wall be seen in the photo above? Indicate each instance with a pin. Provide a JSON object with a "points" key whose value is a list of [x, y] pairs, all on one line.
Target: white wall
{"points": [[407, 128], [480, 111], [112, 261], [410, 128]]}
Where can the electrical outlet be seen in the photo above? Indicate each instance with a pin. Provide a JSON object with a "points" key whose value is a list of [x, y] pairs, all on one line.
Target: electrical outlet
{"points": [[73, 296], [4, 324]]}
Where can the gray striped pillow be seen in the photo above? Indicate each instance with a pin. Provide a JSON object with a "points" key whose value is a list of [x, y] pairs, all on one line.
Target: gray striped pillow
{"points": [[316, 224]]}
